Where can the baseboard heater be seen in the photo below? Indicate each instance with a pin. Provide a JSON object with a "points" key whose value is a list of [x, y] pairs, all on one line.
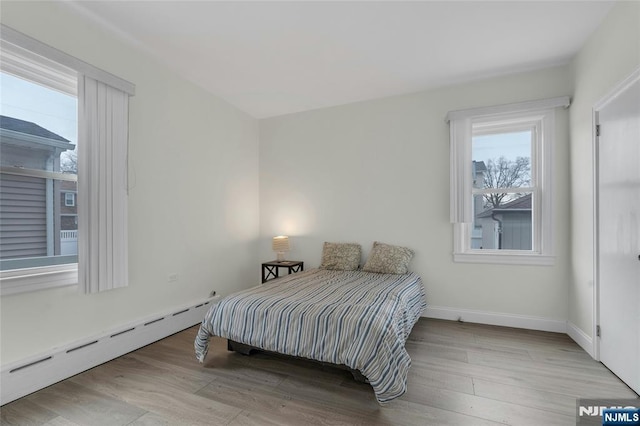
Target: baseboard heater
{"points": [[26, 376]]}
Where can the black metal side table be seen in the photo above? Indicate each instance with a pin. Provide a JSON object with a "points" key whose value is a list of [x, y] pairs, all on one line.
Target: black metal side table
{"points": [[270, 269]]}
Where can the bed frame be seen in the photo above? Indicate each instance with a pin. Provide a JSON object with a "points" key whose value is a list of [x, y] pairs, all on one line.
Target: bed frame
{"points": [[243, 349]]}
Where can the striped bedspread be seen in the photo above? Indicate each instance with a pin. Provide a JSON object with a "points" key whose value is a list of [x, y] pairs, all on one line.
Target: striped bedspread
{"points": [[358, 319]]}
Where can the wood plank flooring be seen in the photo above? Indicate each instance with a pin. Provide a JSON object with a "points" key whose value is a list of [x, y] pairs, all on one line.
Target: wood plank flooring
{"points": [[461, 374]]}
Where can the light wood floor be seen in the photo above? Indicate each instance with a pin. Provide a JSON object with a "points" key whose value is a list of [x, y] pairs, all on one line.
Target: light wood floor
{"points": [[462, 374]]}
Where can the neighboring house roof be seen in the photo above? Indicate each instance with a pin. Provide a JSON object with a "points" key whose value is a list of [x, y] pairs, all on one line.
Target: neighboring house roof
{"points": [[519, 204], [29, 128], [479, 166]]}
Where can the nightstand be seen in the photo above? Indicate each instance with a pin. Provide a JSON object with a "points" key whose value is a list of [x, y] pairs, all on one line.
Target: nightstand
{"points": [[270, 269]]}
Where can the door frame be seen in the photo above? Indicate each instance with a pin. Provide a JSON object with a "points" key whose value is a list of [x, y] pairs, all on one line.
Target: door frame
{"points": [[616, 91]]}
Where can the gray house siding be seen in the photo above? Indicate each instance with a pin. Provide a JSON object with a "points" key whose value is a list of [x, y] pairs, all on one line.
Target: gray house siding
{"points": [[516, 231], [508, 226], [29, 205], [23, 228]]}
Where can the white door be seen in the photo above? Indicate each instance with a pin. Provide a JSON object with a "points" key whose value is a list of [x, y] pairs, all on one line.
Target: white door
{"points": [[619, 232]]}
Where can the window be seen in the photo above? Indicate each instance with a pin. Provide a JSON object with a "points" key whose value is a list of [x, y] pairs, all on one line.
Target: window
{"points": [[501, 187], [69, 199], [51, 104], [38, 159]]}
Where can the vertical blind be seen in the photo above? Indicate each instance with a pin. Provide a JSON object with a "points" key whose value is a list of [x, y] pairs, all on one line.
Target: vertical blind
{"points": [[102, 186]]}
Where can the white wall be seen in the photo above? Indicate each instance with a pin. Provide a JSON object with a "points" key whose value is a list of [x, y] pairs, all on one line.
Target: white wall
{"points": [[369, 171], [379, 170], [611, 54], [193, 205]]}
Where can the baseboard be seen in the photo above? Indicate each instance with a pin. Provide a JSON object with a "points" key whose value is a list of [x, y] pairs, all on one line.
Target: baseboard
{"points": [[496, 318], [581, 338], [29, 375], [513, 320]]}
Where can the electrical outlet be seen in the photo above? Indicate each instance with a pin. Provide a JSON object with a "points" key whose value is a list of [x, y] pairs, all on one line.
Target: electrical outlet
{"points": [[172, 278]]}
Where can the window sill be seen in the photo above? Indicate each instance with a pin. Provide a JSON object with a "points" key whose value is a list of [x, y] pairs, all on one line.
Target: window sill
{"points": [[505, 258], [33, 279]]}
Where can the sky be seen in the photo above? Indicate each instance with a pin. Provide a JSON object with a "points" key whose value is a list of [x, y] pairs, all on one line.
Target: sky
{"points": [[53, 110], [509, 145]]}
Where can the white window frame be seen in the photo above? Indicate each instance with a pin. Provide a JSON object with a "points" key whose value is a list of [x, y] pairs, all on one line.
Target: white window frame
{"points": [[536, 115], [69, 199], [29, 58], [25, 64]]}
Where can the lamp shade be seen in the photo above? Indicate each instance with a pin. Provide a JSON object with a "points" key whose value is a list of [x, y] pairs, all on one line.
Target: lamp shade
{"points": [[280, 244]]}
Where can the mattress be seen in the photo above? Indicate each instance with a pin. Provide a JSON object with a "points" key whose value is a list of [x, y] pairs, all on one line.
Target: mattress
{"points": [[353, 318]]}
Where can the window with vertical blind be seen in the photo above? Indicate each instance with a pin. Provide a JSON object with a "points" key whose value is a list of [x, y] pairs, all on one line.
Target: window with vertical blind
{"points": [[501, 182], [63, 142]]}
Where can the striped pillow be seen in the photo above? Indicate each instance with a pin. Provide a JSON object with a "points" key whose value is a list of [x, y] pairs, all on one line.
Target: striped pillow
{"points": [[341, 256], [388, 259]]}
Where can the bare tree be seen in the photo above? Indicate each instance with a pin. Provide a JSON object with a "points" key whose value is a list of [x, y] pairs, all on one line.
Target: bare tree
{"points": [[69, 161], [503, 173]]}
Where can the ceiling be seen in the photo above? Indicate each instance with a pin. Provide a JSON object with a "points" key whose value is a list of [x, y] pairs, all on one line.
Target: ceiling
{"points": [[272, 58]]}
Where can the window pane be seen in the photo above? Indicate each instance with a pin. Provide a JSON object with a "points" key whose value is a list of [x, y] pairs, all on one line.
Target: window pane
{"points": [[38, 132], [502, 160], [507, 226], [477, 239]]}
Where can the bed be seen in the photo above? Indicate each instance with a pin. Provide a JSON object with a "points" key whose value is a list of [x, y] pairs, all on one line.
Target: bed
{"points": [[351, 318]]}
